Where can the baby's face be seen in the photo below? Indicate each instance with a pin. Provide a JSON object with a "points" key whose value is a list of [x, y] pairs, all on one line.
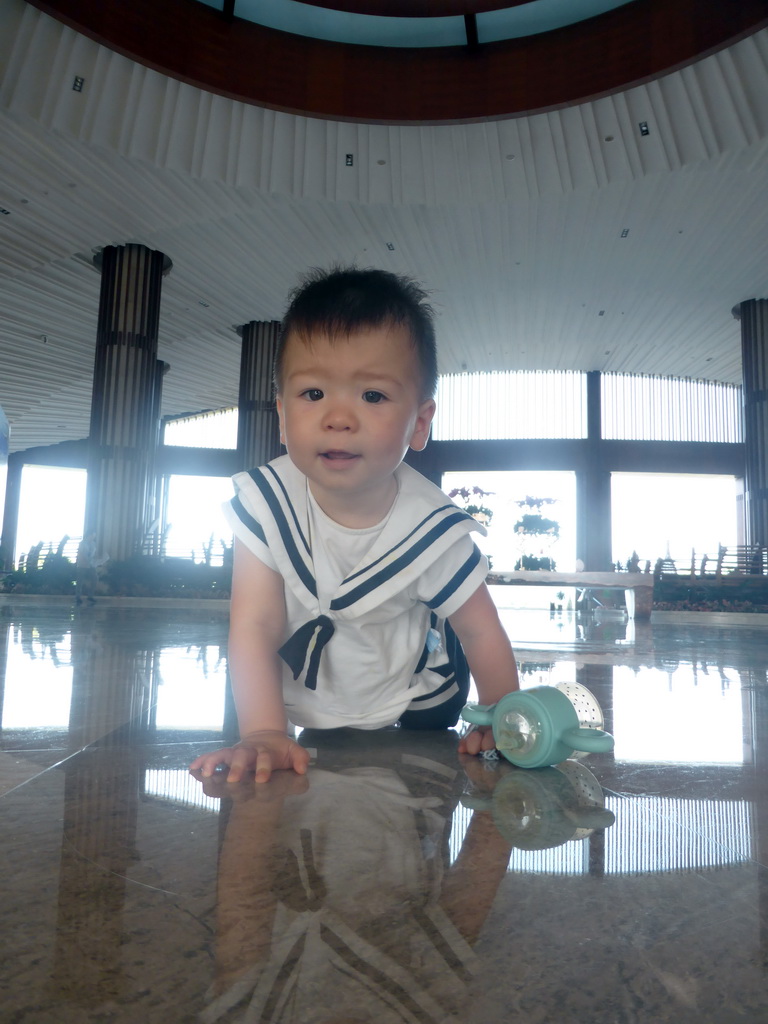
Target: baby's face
{"points": [[349, 410]]}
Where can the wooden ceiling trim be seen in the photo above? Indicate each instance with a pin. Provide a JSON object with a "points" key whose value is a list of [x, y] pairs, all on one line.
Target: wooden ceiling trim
{"points": [[296, 74], [416, 8]]}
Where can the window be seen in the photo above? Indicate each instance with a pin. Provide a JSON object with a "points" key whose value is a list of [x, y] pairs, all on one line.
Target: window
{"points": [[486, 406]]}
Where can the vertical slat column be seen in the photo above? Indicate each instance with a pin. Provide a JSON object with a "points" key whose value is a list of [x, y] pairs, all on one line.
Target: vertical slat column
{"points": [[11, 511], [593, 490], [258, 431], [753, 315], [125, 403], [153, 512]]}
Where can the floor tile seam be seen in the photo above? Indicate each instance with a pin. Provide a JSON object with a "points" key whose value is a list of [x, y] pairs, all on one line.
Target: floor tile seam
{"points": [[93, 744], [40, 774], [29, 751]]}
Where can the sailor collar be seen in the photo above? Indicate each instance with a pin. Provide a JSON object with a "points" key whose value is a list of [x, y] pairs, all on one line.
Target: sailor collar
{"points": [[423, 525]]}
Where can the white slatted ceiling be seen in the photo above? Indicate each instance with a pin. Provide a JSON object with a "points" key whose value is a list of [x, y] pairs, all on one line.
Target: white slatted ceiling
{"points": [[514, 224]]}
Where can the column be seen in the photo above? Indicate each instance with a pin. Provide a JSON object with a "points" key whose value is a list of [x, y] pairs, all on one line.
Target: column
{"points": [[593, 491], [153, 513], [114, 686], [125, 406], [258, 431], [4, 645], [11, 511], [4, 437], [753, 315]]}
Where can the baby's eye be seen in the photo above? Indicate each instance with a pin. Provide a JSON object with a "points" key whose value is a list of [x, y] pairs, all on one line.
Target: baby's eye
{"points": [[373, 397], [312, 394]]}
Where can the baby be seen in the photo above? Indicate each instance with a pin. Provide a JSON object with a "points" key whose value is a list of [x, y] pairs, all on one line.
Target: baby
{"points": [[358, 594]]}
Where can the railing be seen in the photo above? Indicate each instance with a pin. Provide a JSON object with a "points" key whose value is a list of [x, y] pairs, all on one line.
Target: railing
{"points": [[736, 560], [37, 554]]}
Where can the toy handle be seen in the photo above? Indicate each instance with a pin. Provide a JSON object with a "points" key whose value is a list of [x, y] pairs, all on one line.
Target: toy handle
{"points": [[478, 714], [592, 817], [475, 803], [592, 741]]}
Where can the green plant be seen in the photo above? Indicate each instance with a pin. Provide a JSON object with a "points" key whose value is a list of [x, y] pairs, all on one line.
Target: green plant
{"points": [[470, 499], [537, 525], [536, 533], [530, 562], [530, 668], [152, 576], [138, 576], [54, 574]]}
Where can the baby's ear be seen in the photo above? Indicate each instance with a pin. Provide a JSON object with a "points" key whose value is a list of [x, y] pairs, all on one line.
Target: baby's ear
{"points": [[279, 408], [420, 434]]}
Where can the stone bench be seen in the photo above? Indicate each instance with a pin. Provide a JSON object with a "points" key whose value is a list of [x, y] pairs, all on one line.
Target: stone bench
{"points": [[637, 586]]}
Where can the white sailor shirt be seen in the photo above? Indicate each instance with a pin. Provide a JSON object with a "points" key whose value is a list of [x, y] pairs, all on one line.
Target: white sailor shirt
{"points": [[366, 649]]}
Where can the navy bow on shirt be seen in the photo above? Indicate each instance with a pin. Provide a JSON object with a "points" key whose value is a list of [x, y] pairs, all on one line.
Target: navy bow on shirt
{"points": [[307, 642]]}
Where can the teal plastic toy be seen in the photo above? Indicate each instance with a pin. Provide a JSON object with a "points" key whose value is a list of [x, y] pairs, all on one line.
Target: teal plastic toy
{"points": [[544, 725]]}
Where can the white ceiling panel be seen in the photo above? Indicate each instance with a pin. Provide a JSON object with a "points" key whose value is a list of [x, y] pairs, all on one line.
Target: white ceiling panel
{"points": [[515, 226]]}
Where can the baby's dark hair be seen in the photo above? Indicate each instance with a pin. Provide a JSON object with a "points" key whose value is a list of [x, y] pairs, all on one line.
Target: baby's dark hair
{"points": [[339, 301]]}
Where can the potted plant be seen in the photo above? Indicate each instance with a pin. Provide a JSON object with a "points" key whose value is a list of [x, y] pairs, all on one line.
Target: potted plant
{"points": [[471, 500], [536, 533]]}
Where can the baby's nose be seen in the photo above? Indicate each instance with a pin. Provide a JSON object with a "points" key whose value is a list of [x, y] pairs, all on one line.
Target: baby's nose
{"points": [[339, 416]]}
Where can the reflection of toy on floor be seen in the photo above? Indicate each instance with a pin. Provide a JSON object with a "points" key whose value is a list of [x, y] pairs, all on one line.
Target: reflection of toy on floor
{"points": [[544, 725], [541, 809], [338, 899]]}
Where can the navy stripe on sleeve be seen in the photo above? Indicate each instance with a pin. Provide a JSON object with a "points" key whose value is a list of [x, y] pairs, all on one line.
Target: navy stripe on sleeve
{"points": [[296, 523], [456, 580], [247, 519], [449, 682], [284, 527]]}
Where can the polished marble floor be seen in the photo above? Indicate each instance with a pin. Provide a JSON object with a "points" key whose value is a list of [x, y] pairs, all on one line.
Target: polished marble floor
{"points": [[396, 882]]}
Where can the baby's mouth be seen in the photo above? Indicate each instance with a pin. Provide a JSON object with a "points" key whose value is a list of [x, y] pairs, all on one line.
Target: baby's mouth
{"points": [[338, 455]]}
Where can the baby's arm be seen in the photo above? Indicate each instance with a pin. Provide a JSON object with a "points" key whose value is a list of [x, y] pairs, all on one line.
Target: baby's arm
{"points": [[491, 660], [256, 631]]}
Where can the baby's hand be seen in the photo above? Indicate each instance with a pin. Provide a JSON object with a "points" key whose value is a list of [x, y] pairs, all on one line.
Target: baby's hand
{"points": [[260, 752], [477, 740], [281, 785]]}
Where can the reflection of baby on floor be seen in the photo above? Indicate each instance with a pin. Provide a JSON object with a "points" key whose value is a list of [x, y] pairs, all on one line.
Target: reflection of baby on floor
{"points": [[337, 903]]}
